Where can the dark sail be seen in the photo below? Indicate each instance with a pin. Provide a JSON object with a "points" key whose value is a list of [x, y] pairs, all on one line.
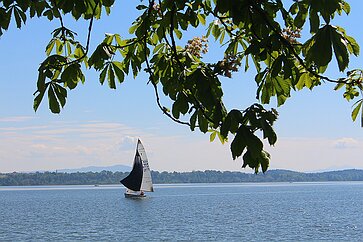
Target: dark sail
{"points": [[133, 180]]}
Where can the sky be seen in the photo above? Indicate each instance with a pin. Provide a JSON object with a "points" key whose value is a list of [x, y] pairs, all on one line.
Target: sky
{"points": [[100, 126]]}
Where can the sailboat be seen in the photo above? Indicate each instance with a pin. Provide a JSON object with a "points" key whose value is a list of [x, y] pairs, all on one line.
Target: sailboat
{"points": [[139, 180]]}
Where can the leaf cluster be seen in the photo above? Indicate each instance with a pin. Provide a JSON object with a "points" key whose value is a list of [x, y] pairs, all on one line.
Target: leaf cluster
{"points": [[263, 34]]}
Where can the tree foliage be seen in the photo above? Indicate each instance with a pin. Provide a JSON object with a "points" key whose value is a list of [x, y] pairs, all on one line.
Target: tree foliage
{"points": [[262, 34]]}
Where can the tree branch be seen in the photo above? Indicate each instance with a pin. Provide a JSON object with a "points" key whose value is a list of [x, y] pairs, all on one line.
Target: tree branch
{"points": [[152, 79], [87, 43]]}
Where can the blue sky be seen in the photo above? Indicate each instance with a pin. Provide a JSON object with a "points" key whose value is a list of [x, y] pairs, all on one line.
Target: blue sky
{"points": [[99, 126]]}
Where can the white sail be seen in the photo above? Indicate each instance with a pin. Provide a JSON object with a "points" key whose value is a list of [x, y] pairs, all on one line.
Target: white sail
{"points": [[146, 183]]}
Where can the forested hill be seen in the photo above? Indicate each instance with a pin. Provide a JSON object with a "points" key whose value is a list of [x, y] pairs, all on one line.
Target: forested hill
{"points": [[108, 177]]}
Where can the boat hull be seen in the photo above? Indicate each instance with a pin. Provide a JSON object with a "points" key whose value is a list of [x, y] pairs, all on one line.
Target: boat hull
{"points": [[127, 195]]}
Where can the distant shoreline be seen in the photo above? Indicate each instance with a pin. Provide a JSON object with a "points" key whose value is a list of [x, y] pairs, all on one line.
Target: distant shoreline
{"points": [[209, 176]]}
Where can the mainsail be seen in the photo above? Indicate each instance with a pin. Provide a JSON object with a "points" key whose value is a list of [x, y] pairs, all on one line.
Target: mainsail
{"points": [[139, 178]]}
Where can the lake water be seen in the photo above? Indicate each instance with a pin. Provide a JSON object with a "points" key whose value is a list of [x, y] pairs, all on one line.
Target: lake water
{"points": [[210, 212]]}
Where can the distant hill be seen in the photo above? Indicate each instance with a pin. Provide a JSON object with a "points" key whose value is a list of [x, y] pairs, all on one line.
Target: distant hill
{"points": [[109, 177], [269, 176], [115, 168]]}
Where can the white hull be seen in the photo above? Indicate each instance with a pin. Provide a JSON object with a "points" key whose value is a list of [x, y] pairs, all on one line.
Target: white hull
{"points": [[128, 195]]}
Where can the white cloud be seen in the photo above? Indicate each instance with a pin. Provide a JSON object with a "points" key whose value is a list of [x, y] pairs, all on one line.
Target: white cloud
{"points": [[127, 142], [187, 153], [345, 143], [39, 147], [61, 145], [312, 154], [16, 119], [24, 128], [69, 144]]}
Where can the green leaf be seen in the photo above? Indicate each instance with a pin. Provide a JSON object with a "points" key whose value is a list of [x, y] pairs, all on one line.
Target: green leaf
{"points": [[108, 3], [254, 144], [178, 33], [203, 122], [201, 18], [158, 47], [221, 138], [294, 8], [346, 7], [353, 46], [40, 94], [118, 67], [78, 52], [103, 75], [61, 93], [175, 110], [118, 40], [17, 17], [41, 81], [254, 162], [184, 105], [314, 21], [319, 49], [141, 7], [221, 39], [69, 48], [304, 80], [111, 78], [358, 106], [193, 120], [216, 31], [59, 47], [53, 102], [67, 5], [239, 142], [226, 126], [265, 161], [249, 160], [133, 28], [231, 123], [108, 39], [340, 50], [277, 66], [339, 85], [268, 132], [212, 135], [98, 57], [71, 75], [301, 15], [49, 14]]}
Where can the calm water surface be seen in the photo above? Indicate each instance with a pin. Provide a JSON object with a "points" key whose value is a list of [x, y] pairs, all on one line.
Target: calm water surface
{"points": [[211, 212]]}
